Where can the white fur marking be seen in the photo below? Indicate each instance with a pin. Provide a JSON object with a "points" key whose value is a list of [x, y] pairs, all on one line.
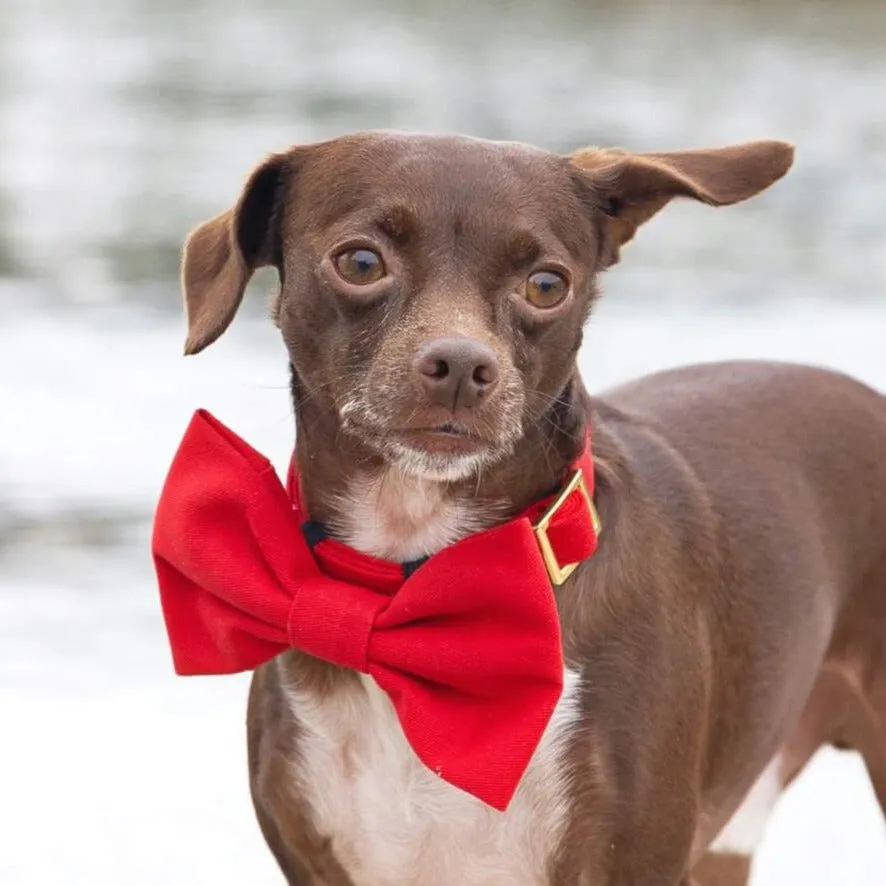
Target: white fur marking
{"points": [[398, 516], [744, 831], [442, 468], [394, 823]]}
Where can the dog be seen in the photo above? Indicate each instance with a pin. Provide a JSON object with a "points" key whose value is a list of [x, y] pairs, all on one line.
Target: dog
{"points": [[732, 618]]}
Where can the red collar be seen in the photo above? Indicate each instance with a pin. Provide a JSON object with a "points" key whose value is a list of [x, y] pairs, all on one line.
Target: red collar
{"points": [[466, 643]]}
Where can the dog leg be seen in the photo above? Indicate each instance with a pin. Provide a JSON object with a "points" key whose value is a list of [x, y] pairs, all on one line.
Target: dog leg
{"points": [[865, 731], [728, 860], [293, 870], [875, 752], [304, 856], [847, 709], [855, 718], [872, 692]]}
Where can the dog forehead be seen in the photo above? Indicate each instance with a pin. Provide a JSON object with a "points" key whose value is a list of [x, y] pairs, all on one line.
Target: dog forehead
{"points": [[432, 175], [422, 154]]}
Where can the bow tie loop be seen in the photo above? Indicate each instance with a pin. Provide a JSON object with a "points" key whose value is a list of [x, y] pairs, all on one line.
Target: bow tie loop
{"points": [[334, 620]]}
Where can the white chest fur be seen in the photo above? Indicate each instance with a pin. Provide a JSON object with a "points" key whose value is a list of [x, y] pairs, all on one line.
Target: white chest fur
{"points": [[390, 820], [394, 823], [396, 516]]}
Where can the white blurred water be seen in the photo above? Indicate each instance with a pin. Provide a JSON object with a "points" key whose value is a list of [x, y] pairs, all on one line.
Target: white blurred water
{"points": [[122, 125]]}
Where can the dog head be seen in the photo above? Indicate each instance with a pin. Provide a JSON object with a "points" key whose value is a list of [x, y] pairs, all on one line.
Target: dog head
{"points": [[433, 289]]}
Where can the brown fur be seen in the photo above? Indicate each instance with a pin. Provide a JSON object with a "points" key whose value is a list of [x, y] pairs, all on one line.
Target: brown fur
{"points": [[737, 604], [727, 869]]}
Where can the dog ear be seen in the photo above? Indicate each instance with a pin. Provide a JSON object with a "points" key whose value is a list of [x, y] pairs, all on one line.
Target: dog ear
{"points": [[220, 255], [633, 187]]}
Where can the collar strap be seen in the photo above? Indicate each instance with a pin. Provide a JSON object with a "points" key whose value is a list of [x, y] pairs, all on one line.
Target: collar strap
{"points": [[573, 497]]}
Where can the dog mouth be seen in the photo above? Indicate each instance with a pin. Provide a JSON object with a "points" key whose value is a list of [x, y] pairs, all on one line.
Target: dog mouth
{"points": [[448, 451], [448, 438]]}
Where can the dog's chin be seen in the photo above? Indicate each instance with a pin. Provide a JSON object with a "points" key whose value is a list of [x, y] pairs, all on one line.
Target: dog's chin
{"points": [[447, 453], [438, 466]]}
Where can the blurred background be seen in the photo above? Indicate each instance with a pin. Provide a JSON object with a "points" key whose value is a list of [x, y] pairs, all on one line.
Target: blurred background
{"points": [[124, 124]]}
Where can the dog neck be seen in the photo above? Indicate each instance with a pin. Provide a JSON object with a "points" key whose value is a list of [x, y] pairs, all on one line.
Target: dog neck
{"points": [[379, 509]]}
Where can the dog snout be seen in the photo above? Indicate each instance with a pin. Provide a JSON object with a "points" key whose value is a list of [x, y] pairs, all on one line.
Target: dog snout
{"points": [[457, 372]]}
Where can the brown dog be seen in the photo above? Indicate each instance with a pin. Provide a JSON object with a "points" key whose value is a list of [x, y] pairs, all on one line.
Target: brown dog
{"points": [[433, 293]]}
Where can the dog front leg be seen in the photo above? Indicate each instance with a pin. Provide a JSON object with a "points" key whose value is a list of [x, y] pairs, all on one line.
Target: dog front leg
{"points": [[654, 852]]}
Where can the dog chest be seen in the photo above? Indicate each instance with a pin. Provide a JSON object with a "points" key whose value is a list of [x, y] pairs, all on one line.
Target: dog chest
{"points": [[394, 823]]}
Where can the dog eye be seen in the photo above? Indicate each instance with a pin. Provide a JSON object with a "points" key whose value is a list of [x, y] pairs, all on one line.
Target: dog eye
{"points": [[359, 266], [546, 289]]}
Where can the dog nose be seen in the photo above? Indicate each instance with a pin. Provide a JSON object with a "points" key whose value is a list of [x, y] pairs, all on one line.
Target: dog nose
{"points": [[457, 372]]}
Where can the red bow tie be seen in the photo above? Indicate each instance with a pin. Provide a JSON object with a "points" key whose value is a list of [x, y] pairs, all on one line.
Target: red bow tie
{"points": [[466, 644]]}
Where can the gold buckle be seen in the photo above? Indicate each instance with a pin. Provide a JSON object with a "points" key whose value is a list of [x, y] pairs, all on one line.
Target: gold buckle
{"points": [[559, 573]]}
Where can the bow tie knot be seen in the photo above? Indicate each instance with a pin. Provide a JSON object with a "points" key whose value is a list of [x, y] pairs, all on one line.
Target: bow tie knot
{"points": [[340, 630]]}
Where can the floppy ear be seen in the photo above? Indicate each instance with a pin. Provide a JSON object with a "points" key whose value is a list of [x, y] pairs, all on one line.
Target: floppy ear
{"points": [[633, 187], [221, 254]]}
